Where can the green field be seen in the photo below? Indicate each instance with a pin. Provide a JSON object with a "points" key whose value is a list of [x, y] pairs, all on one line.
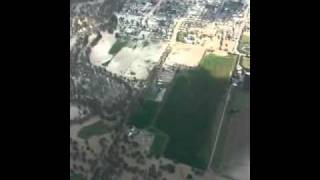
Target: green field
{"points": [[159, 143], [76, 177], [117, 46], [245, 39], [145, 43], [184, 124], [245, 62], [95, 129], [143, 118], [189, 114], [244, 44], [180, 36], [144, 115]]}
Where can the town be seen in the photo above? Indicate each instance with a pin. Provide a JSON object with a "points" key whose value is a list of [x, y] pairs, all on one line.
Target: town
{"points": [[137, 74]]}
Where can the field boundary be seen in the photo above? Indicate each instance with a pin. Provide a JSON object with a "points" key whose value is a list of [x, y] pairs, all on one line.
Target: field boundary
{"points": [[216, 139], [164, 130], [225, 107], [158, 133]]}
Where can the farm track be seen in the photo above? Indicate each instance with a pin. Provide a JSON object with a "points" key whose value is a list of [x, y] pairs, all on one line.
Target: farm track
{"points": [[227, 99]]}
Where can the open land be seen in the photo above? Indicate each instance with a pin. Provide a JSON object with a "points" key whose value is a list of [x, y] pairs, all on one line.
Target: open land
{"points": [[100, 52], [95, 129], [136, 63], [76, 177], [189, 113], [179, 123], [244, 43], [144, 115], [185, 54], [117, 46], [233, 146], [245, 63]]}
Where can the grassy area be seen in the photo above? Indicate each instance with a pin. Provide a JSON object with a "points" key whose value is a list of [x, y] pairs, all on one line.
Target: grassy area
{"points": [[237, 110], [144, 115], [219, 67], [245, 62], [76, 177], [232, 6], [117, 46], [184, 126], [245, 39], [145, 43], [152, 92], [190, 111], [95, 129], [159, 143], [244, 44], [181, 36]]}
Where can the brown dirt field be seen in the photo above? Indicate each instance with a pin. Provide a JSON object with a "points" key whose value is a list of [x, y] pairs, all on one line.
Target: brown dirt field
{"points": [[237, 146]]}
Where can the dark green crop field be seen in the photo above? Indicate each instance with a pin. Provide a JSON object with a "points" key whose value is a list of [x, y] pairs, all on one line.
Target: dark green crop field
{"points": [[96, 129], [117, 46], [189, 114], [76, 177], [144, 115], [184, 124]]}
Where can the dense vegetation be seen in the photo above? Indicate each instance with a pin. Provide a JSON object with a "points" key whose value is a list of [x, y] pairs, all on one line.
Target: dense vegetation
{"points": [[245, 63], [117, 46], [180, 36], [244, 44], [159, 143], [76, 177], [189, 114], [144, 115], [95, 129], [183, 127]]}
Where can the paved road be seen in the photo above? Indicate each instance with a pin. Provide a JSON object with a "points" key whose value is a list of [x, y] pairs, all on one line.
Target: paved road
{"points": [[218, 13], [243, 23], [152, 10]]}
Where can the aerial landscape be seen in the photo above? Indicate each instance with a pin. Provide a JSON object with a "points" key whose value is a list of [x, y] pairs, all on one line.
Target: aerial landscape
{"points": [[159, 89]]}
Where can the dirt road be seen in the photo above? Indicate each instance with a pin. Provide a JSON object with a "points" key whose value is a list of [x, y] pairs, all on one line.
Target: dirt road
{"points": [[220, 126]]}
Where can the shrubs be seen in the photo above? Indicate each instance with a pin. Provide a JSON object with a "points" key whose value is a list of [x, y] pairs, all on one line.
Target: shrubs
{"points": [[117, 46], [168, 167], [189, 176], [181, 36]]}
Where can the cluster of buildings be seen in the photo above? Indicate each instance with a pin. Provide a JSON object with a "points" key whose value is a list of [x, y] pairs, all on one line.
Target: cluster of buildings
{"points": [[80, 25], [218, 26], [240, 75], [151, 19], [214, 36], [159, 22], [166, 75]]}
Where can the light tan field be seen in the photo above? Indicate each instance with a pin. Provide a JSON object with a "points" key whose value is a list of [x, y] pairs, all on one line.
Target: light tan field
{"points": [[185, 54], [138, 62], [100, 53]]}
